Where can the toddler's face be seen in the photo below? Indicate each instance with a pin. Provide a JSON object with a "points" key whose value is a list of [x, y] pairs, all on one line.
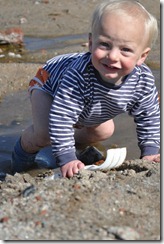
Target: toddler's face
{"points": [[120, 44]]}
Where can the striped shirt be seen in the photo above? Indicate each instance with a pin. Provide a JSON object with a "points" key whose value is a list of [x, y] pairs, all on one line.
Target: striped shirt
{"points": [[82, 97]]}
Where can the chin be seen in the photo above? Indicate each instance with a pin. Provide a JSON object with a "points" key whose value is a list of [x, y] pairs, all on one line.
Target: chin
{"points": [[111, 76]]}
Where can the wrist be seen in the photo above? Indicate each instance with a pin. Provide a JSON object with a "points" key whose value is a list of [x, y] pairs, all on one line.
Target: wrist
{"points": [[149, 150]]}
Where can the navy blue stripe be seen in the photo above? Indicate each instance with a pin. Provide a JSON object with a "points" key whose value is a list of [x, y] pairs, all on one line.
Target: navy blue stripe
{"points": [[80, 96]]}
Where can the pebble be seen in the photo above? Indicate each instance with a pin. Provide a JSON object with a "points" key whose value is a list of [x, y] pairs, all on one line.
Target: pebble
{"points": [[23, 20], [29, 190], [14, 55], [11, 35], [124, 233]]}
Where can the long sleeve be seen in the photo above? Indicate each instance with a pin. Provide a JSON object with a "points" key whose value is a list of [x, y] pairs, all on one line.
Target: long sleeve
{"points": [[146, 113], [80, 95], [148, 124], [65, 110]]}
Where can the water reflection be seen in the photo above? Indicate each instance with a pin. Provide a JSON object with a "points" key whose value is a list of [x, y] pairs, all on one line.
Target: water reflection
{"points": [[38, 43]]}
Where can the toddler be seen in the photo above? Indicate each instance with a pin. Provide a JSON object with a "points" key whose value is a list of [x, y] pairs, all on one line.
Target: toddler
{"points": [[76, 96]]}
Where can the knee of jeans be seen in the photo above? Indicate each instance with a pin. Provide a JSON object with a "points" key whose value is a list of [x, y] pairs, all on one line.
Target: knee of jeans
{"points": [[42, 141]]}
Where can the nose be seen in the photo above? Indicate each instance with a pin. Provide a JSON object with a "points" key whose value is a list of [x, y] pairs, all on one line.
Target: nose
{"points": [[113, 54]]}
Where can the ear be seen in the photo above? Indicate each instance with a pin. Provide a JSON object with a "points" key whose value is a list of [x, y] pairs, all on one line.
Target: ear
{"points": [[144, 55], [90, 41]]}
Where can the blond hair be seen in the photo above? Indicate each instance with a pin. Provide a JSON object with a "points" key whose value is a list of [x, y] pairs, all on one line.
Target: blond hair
{"points": [[127, 7]]}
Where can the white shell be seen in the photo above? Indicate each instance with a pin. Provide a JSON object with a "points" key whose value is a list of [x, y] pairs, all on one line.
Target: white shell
{"points": [[115, 157]]}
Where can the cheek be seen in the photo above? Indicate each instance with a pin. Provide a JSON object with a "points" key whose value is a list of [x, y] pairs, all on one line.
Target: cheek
{"points": [[95, 59], [97, 55], [128, 65]]}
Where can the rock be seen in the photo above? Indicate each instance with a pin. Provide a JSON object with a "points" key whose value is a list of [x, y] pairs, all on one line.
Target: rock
{"points": [[124, 233], [12, 36]]}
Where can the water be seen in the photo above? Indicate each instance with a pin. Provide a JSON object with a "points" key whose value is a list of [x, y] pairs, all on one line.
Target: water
{"points": [[38, 43]]}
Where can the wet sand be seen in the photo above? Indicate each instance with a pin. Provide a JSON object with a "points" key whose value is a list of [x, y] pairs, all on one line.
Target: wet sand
{"points": [[120, 204]]}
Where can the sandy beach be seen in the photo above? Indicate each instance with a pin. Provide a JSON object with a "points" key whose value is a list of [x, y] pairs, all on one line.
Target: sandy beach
{"points": [[91, 205]]}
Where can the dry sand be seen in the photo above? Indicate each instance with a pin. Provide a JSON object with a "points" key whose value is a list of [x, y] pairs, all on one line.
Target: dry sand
{"points": [[122, 204]]}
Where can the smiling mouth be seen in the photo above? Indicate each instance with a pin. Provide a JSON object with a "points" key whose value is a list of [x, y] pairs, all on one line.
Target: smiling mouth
{"points": [[110, 67]]}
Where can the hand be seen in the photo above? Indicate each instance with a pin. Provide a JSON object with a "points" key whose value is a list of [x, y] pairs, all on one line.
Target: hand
{"points": [[155, 158], [71, 168]]}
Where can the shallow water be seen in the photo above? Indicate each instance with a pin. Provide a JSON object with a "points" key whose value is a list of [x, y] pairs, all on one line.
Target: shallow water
{"points": [[38, 43], [124, 136]]}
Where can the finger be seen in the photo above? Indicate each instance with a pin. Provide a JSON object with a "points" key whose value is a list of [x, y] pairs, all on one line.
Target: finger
{"points": [[80, 165], [69, 173], [77, 167], [63, 173], [157, 159]]}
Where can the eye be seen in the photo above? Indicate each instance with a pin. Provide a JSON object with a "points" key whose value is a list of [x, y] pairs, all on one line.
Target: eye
{"points": [[104, 45], [126, 49]]}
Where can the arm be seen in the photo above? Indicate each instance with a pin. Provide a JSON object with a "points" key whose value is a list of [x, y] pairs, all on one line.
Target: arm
{"points": [[66, 107], [147, 118]]}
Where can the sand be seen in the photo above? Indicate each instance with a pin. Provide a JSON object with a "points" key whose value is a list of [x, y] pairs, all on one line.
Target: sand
{"points": [[120, 204]]}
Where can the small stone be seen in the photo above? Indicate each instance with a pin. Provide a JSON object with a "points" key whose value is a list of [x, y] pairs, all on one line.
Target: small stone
{"points": [[124, 233], [11, 35]]}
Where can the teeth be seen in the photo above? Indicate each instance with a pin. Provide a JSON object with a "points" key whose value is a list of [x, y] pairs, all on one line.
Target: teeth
{"points": [[110, 67]]}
